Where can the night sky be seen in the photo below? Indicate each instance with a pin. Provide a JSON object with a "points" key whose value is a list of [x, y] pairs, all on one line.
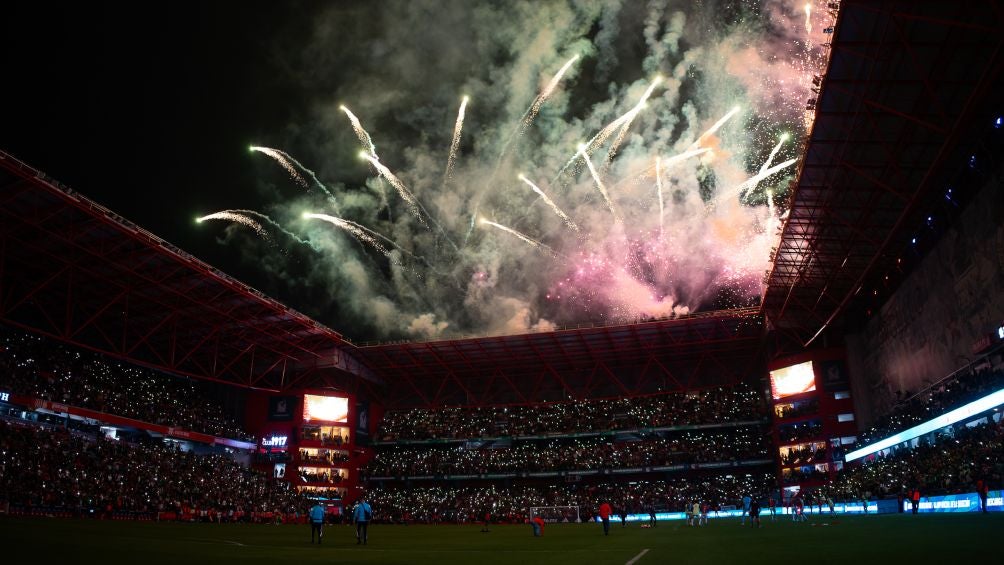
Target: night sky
{"points": [[151, 114]]}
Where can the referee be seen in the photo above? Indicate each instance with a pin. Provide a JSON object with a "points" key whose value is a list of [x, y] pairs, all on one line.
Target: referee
{"points": [[316, 521]]}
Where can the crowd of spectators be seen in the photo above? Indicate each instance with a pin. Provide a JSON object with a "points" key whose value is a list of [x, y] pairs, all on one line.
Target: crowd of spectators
{"points": [[742, 402], [41, 368], [512, 504], [682, 447], [965, 387], [789, 433], [324, 457], [89, 475], [796, 409], [804, 454], [949, 464]]}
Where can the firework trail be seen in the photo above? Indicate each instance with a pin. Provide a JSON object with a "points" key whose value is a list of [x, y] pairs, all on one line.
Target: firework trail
{"points": [[274, 224], [532, 242], [288, 161], [238, 217], [402, 190], [623, 121], [628, 118], [364, 137], [658, 185], [808, 17], [711, 131], [281, 158], [534, 109], [353, 228], [455, 145], [766, 164], [564, 217], [754, 180], [599, 183]]}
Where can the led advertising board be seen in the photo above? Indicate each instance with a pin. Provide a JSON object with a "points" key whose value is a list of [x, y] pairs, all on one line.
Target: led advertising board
{"points": [[792, 380]]}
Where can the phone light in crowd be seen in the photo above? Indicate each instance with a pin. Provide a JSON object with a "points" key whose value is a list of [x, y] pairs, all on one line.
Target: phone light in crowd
{"points": [[1000, 332], [975, 407], [999, 122], [914, 241]]}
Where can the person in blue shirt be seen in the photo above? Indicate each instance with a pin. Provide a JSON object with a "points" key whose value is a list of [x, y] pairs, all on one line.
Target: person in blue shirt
{"points": [[361, 517], [747, 500], [316, 521]]}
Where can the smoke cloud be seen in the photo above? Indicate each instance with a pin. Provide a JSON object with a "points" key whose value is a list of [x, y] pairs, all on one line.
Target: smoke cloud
{"points": [[403, 68]]}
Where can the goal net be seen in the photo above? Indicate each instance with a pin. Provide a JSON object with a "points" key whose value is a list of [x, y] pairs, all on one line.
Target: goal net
{"points": [[556, 513]]}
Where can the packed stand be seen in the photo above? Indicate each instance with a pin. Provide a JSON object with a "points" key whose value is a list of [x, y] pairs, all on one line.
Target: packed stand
{"points": [[512, 504], [951, 464], [725, 404], [86, 475], [691, 446], [964, 388], [41, 368]]}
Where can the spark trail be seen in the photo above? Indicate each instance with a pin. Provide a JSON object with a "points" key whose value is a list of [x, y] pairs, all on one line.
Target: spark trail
{"points": [[753, 181], [281, 158], [808, 17], [402, 190], [628, 118], [623, 121], [714, 128], [274, 224], [353, 228], [766, 164], [534, 109], [599, 183], [288, 161], [357, 127], [557, 210], [455, 144], [538, 245], [237, 217]]}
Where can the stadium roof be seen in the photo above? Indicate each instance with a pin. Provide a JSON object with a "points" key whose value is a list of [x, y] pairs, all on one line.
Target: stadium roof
{"points": [[627, 360], [906, 83], [76, 271]]}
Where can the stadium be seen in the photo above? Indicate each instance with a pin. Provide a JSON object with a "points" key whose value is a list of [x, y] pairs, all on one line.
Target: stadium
{"points": [[798, 353]]}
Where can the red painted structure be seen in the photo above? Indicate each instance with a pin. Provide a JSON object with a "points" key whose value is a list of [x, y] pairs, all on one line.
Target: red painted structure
{"points": [[907, 82]]}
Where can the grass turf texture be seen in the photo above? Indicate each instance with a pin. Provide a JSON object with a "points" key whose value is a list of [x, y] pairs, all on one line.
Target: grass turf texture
{"points": [[898, 538]]}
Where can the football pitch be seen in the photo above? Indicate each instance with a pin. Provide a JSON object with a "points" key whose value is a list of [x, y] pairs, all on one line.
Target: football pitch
{"points": [[898, 538]]}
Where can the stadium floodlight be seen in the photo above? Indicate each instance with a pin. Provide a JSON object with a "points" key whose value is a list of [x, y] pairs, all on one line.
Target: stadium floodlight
{"points": [[975, 407]]}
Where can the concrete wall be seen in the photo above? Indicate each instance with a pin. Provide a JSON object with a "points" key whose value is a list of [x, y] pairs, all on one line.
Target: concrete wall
{"points": [[927, 329]]}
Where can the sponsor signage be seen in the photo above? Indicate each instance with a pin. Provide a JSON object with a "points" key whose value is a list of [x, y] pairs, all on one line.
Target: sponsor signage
{"points": [[4, 396], [274, 441]]}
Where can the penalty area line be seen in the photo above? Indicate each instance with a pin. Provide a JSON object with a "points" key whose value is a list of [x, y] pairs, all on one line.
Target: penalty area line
{"points": [[637, 557]]}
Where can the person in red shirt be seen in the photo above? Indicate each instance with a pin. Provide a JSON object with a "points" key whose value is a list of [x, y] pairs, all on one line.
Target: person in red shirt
{"points": [[538, 526], [605, 512]]}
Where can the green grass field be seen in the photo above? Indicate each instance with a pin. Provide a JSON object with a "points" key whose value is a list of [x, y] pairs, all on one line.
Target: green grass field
{"points": [[853, 540]]}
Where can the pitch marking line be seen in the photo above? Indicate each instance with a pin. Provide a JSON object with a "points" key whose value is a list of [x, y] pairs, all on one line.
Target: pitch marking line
{"points": [[637, 557]]}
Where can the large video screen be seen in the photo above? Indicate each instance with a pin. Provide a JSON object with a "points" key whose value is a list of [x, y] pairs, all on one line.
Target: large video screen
{"points": [[795, 379], [325, 408]]}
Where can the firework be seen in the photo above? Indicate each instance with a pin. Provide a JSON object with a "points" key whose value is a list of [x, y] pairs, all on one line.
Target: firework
{"points": [[288, 161], [533, 242], [534, 109], [561, 214], [628, 118], [237, 217], [714, 128], [598, 181], [364, 138], [754, 180], [402, 190], [808, 17], [281, 158], [766, 165], [455, 145], [351, 227]]}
